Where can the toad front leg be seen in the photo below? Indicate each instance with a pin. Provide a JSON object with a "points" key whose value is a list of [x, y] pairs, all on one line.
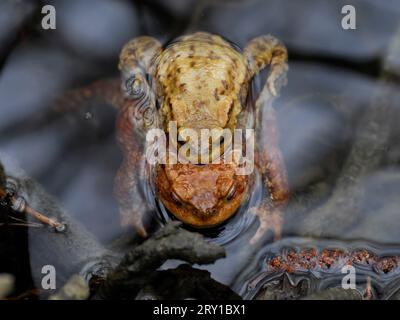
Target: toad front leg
{"points": [[136, 117], [262, 52]]}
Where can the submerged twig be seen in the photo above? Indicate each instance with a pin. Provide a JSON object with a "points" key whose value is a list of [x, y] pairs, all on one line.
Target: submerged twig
{"points": [[366, 154], [19, 204]]}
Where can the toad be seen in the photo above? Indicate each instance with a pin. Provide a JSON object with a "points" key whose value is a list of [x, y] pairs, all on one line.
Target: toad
{"points": [[199, 81]]}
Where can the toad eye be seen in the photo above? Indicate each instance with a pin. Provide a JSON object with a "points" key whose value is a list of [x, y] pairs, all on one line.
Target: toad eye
{"points": [[175, 198], [231, 193], [134, 87]]}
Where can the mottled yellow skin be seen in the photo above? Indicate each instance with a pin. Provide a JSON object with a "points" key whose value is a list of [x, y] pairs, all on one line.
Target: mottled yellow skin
{"points": [[201, 77], [200, 81]]}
